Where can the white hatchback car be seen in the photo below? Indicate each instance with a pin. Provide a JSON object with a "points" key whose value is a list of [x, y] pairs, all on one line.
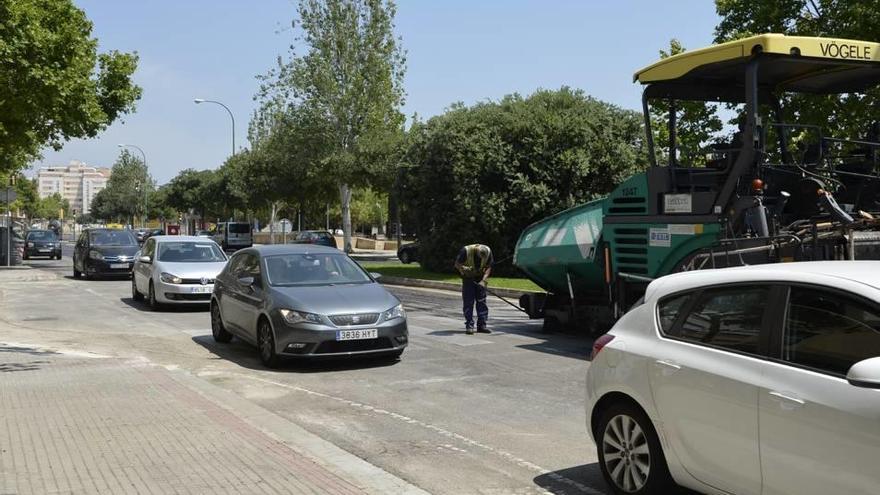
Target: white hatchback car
{"points": [[173, 269], [756, 380]]}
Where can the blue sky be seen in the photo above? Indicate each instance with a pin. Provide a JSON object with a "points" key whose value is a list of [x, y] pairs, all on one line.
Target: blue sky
{"points": [[457, 50]]}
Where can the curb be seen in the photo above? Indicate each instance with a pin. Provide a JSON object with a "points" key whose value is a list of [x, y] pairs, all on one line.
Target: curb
{"points": [[450, 286]]}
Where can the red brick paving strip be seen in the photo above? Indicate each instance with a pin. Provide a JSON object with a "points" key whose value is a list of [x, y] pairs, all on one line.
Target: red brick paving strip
{"points": [[103, 426]]}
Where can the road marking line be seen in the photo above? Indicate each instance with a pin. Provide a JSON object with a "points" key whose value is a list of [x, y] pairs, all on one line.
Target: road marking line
{"points": [[436, 429]]}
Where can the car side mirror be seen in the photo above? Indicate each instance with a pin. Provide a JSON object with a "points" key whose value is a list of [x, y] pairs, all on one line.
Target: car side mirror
{"points": [[865, 373], [145, 259], [246, 281], [376, 275]]}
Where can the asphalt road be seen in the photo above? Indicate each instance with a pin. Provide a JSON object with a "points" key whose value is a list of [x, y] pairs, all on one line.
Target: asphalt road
{"points": [[485, 414]]}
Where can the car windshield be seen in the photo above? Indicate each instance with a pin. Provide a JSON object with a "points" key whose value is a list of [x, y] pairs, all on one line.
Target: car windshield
{"points": [[314, 269], [41, 235], [239, 228], [190, 252], [112, 238]]}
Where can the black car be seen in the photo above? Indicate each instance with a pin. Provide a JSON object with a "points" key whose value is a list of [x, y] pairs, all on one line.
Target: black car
{"points": [[408, 253], [100, 252], [42, 243], [318, 237]]}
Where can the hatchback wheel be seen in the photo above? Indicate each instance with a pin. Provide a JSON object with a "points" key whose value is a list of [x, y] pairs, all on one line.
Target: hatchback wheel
{"points": [[630, 455], [154, 304], [219, 331], [267, 345], [135, 294], [404, 258]]}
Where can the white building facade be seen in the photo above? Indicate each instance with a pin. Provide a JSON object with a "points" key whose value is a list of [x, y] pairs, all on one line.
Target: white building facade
{"points": [[78, 183]]}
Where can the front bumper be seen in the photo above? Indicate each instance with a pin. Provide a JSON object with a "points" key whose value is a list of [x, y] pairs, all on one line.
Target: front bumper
{"points": [[183, 293], [319, 341], [108, 268], [48, 251]]}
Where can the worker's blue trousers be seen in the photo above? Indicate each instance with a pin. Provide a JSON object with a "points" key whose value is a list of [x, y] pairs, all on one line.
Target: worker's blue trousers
{"points": [[471, 293]]}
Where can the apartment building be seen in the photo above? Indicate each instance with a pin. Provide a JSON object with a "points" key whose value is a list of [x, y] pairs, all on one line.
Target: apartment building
{"points": [[78, 183]]}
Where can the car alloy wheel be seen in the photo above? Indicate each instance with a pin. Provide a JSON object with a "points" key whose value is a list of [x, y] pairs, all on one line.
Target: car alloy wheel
{"points": [[135, 294], [220, 333], [630, 455], [154, 304], [267, 345], [627, 456]]}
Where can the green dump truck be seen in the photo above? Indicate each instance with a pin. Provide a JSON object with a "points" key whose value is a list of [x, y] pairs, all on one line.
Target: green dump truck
{"points": [[778, 191]]}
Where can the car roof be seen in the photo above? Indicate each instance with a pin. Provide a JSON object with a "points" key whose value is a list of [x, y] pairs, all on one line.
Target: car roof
{"points": [[178, 238], [270, 249], [863, 273]]}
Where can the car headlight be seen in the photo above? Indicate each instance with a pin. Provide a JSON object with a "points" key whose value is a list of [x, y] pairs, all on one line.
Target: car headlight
{"points": [[395, 312], [95, 255], [293, 317], [170, 279]]}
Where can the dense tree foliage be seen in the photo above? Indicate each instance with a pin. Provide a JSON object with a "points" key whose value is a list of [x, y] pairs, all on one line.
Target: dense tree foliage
{"points": [[127, 193], [56, 86], [483, 173], [349, 85]]}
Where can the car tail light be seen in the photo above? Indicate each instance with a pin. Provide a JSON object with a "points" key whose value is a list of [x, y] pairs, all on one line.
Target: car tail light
{"points": [[599, 344]]}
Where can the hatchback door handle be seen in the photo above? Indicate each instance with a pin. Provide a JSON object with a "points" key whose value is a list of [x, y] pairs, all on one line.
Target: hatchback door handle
{"points": [[668, 364], [787, 399]]}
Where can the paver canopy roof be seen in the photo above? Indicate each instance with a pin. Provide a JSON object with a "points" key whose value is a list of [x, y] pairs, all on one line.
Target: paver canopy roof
{"points": [[789, 64]]}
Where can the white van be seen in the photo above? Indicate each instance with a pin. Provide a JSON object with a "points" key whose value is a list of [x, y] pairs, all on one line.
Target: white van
{"points": [[233, 235]]}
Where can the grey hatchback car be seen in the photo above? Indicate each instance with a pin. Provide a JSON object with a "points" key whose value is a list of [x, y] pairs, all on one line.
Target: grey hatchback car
{"points": [[299, 300]]}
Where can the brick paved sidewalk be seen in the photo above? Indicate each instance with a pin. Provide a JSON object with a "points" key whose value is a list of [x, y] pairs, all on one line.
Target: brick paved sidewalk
{"points": [[72, 424]]}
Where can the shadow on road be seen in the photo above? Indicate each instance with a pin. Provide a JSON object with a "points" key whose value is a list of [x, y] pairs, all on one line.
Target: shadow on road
{"points": [[168, 308], [245, 355], [558, 344], [586, 478]]}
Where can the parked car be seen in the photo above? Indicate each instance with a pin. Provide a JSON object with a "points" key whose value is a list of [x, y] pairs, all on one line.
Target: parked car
{"points": [[763, 379], [42, 243], [319, 237], [233, 235], [294, 300], [408, 253], [176, 270], [104, 252]]}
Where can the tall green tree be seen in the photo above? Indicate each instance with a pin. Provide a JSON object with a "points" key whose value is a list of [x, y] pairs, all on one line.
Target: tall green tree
{"points": [[56, 86], [127, 192], [349, 83]]}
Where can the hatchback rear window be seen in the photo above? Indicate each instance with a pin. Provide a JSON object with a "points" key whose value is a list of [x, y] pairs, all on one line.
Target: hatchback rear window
{"points": [[239, 228]]}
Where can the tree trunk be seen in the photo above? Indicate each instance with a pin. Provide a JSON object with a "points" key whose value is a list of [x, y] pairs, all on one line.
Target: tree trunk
{"points": [[274, 212], [345, 195]]}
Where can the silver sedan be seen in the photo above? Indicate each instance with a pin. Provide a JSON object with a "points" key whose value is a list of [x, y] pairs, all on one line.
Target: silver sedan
{"points": [[172, 269], [305, 301]]}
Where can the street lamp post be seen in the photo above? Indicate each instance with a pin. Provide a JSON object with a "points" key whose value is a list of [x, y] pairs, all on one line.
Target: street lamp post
{"points": [[146, 170], [202, 100]]}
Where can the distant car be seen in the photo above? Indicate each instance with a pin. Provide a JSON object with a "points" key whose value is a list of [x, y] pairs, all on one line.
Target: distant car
{"points": [[42, 243], [319, 237], [104, 252], [408, 253], [141, 234], [338, 232], [305, 301], [176, 270], [762, 379], [233, 235]]}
